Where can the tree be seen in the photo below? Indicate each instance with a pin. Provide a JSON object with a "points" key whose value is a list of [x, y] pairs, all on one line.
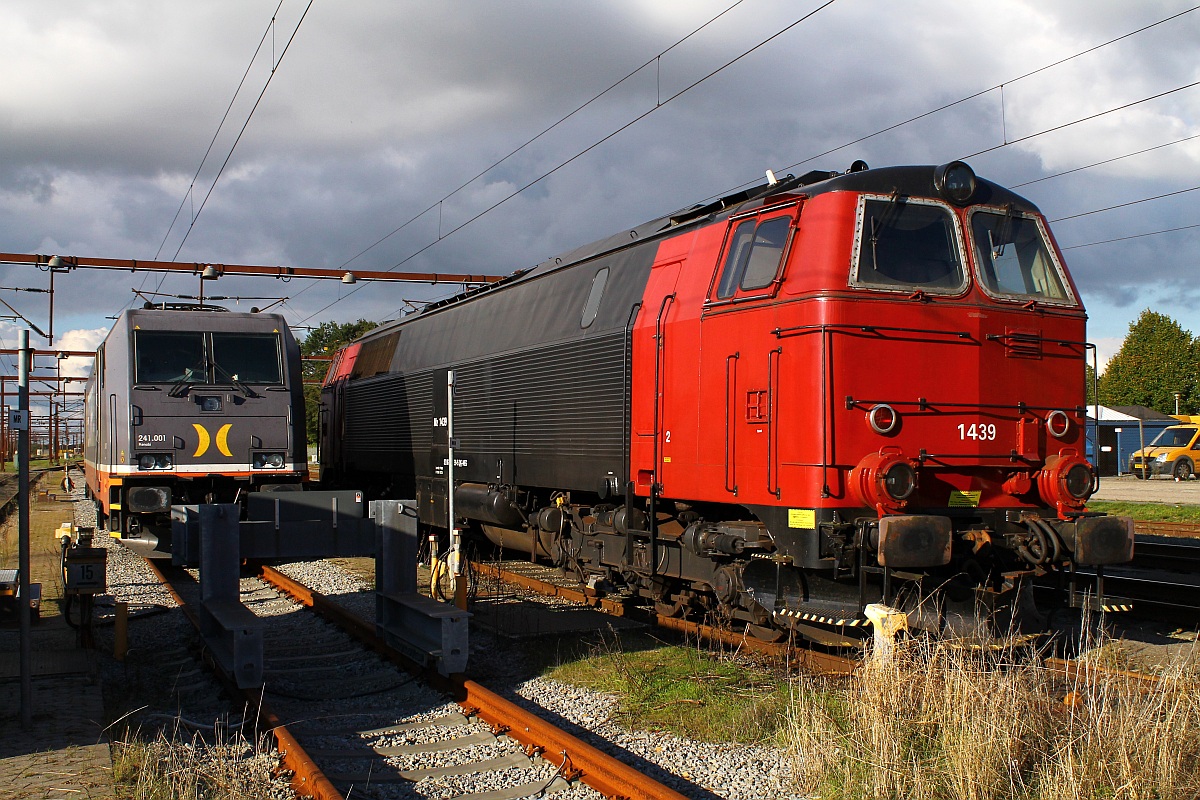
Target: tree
{"points": [[1089, 381], [324, 340], [1157, 359]]}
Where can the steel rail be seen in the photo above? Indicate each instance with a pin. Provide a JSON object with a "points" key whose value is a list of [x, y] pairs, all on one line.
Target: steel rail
{"points": [[1179, 530], [307, 778], [814, 660], [573, 756]]}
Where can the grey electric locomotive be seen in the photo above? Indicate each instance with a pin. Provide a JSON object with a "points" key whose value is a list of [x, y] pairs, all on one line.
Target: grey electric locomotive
{"points": [[188, 406]]}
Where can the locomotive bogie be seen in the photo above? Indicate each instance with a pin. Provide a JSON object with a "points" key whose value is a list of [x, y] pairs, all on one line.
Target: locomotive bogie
{"points": [[782, 406]]}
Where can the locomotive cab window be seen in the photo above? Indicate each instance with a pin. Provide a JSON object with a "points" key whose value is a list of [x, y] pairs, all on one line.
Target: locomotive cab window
{"points": [[196, 357], [246, 357], [908, 244], [754, 255], [1014, 260], [168, 356]]}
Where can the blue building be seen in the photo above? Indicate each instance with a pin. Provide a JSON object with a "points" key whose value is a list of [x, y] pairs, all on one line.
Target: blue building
{"points": [[1119, 431]]}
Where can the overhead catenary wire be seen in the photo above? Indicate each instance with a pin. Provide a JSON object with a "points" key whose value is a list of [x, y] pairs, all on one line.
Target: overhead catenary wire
{"points": [[656, 59], [220, 125], [1007, 142], [1131, 236], [242, 131], [660, 103], [1123, 205], [188, 195], [972, 96], [1106, 161]]}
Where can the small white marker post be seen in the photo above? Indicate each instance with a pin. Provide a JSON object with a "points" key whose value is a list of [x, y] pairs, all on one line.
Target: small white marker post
{"points": [[456, 562], [888, 623]]}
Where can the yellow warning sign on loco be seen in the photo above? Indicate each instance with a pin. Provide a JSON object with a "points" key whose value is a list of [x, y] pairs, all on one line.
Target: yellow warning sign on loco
{"points": [[961, 499], [802, 518]]}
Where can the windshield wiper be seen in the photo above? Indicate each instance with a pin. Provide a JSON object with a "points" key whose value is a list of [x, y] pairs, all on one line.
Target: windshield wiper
{"points": [[241, 387], [181, 387]]}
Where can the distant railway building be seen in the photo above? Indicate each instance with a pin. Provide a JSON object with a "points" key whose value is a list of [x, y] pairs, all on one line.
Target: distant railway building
{"points": [[1118, 431]]}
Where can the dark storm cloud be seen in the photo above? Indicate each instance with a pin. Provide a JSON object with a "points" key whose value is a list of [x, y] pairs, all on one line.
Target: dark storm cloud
{"points": [[379, 109]]}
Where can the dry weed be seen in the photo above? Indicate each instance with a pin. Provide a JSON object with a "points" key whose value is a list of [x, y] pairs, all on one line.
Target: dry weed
{"points": [[191, 768], [940, 720]]}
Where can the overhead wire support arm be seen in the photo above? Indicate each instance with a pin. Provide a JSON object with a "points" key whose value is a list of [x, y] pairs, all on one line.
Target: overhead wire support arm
{"points": [[282, 272]]}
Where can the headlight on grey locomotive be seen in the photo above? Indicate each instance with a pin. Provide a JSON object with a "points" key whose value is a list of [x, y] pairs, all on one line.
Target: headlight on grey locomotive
{"points": [[147, 499], [268, 460], [155, 461]]}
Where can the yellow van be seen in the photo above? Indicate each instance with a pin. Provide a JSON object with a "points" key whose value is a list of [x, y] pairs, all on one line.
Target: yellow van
{"points": [[1173, 452]]}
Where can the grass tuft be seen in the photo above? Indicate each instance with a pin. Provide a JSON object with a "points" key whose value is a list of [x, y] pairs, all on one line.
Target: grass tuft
{"points": [[1148, 512], [948, 723], [175, 767], [684, 690]]}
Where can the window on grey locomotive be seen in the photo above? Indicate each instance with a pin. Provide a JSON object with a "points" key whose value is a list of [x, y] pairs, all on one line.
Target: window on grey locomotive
{"points": [[246, 357], [168, 356], [905, 244], [592, 307], [755, 250]]}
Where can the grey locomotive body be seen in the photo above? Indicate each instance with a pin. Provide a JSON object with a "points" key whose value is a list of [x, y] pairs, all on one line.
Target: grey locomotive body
{"points": [[190, 407]]}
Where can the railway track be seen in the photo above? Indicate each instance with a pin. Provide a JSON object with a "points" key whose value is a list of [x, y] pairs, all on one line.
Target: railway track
{"points": [[338, 697], [543, 580]]}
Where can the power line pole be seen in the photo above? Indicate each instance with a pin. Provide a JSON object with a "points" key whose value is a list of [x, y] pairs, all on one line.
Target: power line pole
{"points": [[21, 423]]}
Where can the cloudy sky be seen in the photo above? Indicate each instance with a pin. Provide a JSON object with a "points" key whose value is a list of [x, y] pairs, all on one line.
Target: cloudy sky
{"points": [[381, 109]]}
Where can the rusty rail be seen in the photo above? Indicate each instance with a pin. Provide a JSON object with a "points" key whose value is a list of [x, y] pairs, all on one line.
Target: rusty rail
{"points": [[814, 660], [1179, 530], [616, 609], [597, 769], [307, 778]]}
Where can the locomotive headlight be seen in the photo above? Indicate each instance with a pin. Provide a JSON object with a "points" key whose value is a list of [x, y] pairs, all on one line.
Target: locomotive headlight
{"points": [[268, 460], [155, 461], [1078, 481], [209, 403], [885, 480], [955, 182], [1066, 482], [900, 481]]}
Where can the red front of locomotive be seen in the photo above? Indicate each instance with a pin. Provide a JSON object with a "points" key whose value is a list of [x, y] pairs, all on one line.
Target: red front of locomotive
{"points": [[885, 370]]}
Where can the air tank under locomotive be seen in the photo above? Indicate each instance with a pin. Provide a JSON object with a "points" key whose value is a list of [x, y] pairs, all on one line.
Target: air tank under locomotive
{"points": [[778, 407]]}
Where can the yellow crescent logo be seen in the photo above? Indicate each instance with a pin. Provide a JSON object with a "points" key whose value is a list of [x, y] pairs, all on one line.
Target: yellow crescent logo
{"points": [[202, 444], [223, 440]]}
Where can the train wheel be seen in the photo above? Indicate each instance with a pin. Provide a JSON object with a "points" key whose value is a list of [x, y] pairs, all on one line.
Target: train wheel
{"points": [[1184, 469]]}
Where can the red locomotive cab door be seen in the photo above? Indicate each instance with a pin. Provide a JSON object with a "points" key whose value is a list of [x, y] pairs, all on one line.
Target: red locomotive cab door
{"points": [[653, 429], [741, 358]]}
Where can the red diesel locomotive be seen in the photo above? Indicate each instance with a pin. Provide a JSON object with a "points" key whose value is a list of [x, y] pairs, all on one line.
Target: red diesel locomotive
{"points": [[820, 393]]}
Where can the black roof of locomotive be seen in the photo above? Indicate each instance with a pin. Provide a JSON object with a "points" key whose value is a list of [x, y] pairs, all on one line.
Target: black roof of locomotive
{"points": [[906, 181]]}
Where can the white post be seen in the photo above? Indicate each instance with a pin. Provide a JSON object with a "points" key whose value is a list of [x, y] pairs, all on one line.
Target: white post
{"points": [[888, 623], [26, 659], [456, 565]]}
